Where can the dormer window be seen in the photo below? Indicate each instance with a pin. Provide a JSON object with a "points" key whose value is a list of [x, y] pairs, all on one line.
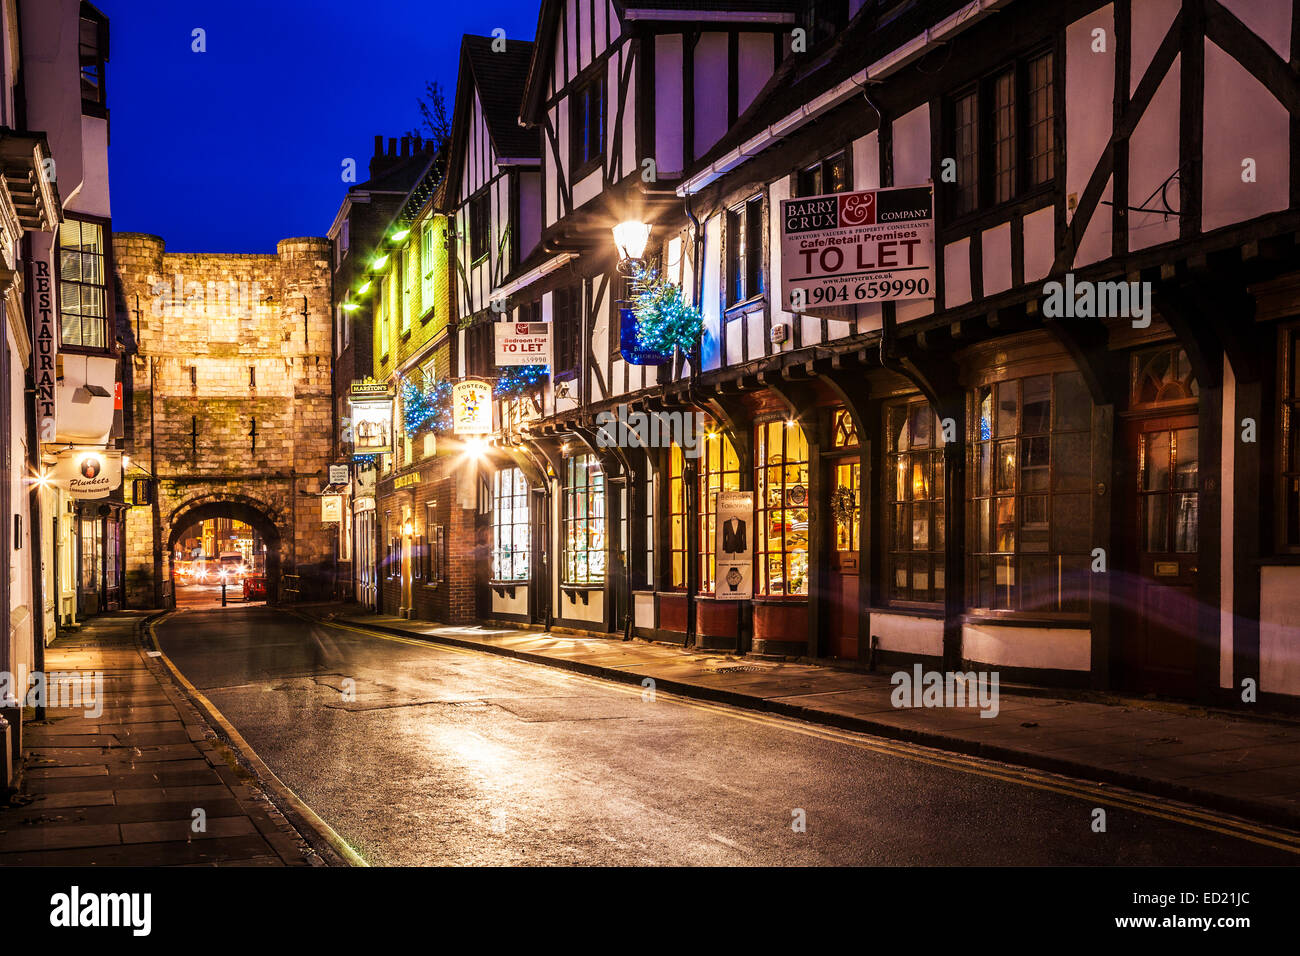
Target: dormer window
{"points": [[92, 50]]}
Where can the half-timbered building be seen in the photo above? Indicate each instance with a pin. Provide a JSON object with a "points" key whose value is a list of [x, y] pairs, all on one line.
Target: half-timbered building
{"points": [[1072, 461]]}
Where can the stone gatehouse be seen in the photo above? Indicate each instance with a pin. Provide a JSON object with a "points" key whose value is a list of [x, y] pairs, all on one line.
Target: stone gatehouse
{"points": [[227, 409]]}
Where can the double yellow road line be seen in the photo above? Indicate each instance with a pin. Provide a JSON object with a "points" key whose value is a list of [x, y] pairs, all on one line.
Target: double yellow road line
{"points": [[1094, 793]]}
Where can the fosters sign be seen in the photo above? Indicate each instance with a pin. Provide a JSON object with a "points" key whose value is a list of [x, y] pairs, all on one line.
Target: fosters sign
{"points": [[471, 407], [852, 248]]}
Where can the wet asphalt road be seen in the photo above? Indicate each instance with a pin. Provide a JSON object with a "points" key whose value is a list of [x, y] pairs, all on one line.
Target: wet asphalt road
{"points": [[456, 757]]}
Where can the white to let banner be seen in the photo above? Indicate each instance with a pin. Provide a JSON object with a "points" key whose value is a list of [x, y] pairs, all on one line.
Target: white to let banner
{"points": [[471, 408], [857, 248], [734, 512], [523, 343]]}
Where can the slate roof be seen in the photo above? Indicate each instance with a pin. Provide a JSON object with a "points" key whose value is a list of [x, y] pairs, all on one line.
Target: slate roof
{"points": [[499, 79]]}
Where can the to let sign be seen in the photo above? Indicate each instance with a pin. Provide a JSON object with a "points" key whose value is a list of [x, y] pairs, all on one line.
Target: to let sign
{"points": [[523, 343], [854, 248]]}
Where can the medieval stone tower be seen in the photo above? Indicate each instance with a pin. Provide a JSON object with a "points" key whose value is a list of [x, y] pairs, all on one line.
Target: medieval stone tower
{"points": [[228, 404]]}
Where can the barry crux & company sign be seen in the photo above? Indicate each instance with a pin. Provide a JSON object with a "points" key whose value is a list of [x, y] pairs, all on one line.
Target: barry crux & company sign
{"points": [[876, 245]]}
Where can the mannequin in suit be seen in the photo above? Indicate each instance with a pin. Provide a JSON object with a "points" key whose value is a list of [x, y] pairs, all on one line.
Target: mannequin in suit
{"points": [[733, 536]]}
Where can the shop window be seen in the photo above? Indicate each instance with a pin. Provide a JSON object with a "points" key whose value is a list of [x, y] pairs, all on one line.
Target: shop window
{"points": [[511, 543], [719, 470], [82, 285], [677, 516], [914, 510], [584, 521], [1029, 519], [432, 548], [830, 175], [745, 251], [781, 480]]}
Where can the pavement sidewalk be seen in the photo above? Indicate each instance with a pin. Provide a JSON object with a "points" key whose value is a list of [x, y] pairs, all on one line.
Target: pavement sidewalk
{"points": [[1247, 766], [122, 788]]}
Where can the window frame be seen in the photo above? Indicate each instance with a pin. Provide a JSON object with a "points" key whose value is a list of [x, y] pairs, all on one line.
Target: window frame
{"points": [[567, 360], [586, 156], [983, 162], [478, 215], [518, 498], [763, 429], [713, 475], [1051, 527], [1287, 470], [748, 215], [592, 493], [103, 286], [929, 455]]}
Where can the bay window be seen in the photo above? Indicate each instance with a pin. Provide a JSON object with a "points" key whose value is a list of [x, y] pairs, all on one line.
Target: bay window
{"points": [[83, 295], [1029, 518], [914, 511], [584, 521], [781, 501], [511, 542]]}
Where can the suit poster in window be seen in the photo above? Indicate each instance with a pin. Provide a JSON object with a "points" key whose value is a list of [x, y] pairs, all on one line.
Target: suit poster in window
{"points": [[735, 545]]}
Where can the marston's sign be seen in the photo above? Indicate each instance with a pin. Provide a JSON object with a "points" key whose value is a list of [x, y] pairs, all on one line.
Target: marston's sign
{"points": [[372, 418], [523, 343], [851, 248]]}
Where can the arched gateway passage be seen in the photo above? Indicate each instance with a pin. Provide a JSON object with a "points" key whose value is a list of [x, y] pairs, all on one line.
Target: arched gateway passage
{"points": [[189, 517]]}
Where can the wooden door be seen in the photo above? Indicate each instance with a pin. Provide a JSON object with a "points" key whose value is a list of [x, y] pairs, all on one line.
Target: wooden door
{"points": [[1158, 592], [845, 558]]}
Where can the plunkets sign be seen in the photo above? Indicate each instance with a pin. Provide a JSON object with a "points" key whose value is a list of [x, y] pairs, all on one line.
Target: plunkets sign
{"points": [[851, 248]]}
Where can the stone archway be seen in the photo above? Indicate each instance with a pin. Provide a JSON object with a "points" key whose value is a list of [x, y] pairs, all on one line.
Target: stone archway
{"points": [[241, 509]]}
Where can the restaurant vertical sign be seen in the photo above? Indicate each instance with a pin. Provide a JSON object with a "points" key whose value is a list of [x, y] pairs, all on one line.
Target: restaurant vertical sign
{"points": [[45, 336]]}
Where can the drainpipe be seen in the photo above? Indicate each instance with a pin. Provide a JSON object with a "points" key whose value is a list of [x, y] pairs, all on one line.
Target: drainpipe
{"points": [[690, 489]]}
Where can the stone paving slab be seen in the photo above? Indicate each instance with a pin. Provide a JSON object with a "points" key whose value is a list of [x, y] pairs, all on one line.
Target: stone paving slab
{"points": [[120, 788], [1249, 766]]}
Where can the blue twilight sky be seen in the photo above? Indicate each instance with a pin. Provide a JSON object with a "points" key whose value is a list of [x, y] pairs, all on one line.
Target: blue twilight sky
{"points": [[236, 148]]}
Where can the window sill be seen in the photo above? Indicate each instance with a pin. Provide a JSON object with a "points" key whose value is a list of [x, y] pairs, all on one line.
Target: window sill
{"points": [[575, 591], [1027, 619], [753, 304], [776, 599]]}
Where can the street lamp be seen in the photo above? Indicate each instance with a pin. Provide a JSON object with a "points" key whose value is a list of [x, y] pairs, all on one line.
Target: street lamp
{"points": [[630, 239]]}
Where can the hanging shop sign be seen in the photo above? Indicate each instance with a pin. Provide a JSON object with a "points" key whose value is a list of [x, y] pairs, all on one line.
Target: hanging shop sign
{"points": [[523, 343], [855, 248], [471, 407], [372, 418], [88, 472], [735, 545], [331, 508], [45, 338], [630, 346], [338, 474]]}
